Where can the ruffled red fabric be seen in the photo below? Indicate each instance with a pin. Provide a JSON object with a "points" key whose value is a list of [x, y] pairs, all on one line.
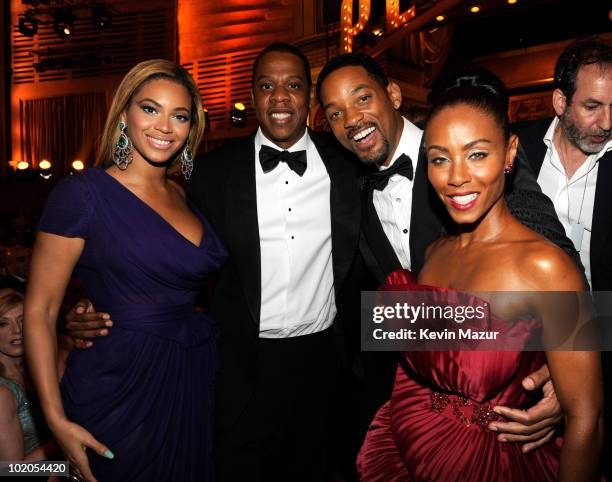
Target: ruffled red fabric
{"points": [[434, 426]]}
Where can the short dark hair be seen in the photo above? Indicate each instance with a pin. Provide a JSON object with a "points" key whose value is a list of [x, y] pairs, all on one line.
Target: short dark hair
{"points": [[285, 48], [578, 54], [478, 88], [374, 70]]}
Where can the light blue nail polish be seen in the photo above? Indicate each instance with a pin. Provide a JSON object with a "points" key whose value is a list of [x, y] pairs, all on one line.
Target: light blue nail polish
{"points": [[109, 455]]}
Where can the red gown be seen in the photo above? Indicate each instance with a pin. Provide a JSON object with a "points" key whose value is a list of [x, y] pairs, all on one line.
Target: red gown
{"points": [[434, 426]]}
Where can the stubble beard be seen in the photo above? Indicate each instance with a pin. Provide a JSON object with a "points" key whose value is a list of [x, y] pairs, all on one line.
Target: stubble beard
{"points": [[579, 138]]}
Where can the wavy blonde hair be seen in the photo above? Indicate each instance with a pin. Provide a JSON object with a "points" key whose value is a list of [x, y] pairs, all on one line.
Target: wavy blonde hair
{"points": [[131, 84]]}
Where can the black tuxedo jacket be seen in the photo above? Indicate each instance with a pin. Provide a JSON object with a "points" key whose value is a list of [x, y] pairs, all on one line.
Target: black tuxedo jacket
{"points": [[430, 220], [223, 187], [531, 135]]}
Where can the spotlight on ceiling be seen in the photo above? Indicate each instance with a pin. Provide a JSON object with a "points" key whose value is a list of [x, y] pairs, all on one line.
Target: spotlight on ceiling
{"points": [[440, 18], [238, 115], [63, 22], [101, 17], [28, 25], [23, 165], [475, 9]]}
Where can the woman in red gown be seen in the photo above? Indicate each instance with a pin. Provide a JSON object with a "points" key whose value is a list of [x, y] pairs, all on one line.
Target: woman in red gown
{"points": [[434, 426]]}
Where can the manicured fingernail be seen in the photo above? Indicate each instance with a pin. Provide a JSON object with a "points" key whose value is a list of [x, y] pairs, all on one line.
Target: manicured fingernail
{"points": [[106, 316], [80, 309], [493, 427], [109, 455], [103, 332], [502, 439], [529, 383], [89, 343], [108, 323], [497, 410]]}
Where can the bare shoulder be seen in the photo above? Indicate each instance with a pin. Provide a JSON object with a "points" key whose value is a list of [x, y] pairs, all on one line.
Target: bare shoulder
{"points": [[546, 267]]}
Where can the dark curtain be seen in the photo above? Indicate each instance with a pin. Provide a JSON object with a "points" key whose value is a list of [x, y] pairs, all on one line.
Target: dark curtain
{"points": [[62, 129]]}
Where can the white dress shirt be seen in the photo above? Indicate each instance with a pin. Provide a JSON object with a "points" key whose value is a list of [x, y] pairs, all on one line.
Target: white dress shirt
{"points": [[394, 203], [574, 198], [294, 217]]}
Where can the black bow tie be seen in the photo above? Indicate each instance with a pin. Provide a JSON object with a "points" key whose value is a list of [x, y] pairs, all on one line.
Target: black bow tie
{"points": [[270, 158], [402, 166]]}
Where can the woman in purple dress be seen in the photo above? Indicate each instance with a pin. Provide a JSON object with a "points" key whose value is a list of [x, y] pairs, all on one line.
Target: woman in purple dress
{"points": [[141, 398]]}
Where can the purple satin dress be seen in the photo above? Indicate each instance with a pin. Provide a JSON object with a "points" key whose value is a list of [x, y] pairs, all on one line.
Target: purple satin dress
{"points": [[145, 390]]}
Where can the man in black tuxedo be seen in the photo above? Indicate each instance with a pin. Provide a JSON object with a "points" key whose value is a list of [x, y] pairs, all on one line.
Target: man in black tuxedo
{"points": [[401, 215], [286, 204], [572, 158]]}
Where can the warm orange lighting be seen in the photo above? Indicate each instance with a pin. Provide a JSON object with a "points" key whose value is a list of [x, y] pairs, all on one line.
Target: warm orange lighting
{"points": [[512, 2], [23, 165], [440, 18], [395, 17], [377, 31], [78, 165], [475, 9], [239, 106], [67, 31], [44, 164]]}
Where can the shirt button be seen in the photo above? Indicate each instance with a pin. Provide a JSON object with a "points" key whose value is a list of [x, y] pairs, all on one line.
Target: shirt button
{"points": [[398, 200], [405, 231], [289, 209], [292, 237], [286, 182]]}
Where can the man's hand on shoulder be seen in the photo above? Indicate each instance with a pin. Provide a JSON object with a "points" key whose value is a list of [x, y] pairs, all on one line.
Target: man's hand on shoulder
{"points": [[83, 324]]}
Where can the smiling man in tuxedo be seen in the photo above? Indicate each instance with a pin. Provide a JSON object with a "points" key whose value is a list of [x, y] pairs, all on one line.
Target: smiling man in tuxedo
{"points": [[401, 215], [285, 202]]}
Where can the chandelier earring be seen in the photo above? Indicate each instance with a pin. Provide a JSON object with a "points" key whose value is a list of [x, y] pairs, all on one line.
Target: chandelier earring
{"points": [[508, 169], [122, 154], [187, 161]]}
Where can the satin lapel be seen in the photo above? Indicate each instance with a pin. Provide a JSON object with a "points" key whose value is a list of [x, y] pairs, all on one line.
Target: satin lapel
{"points": [[344, 205], [243, 227], [602, 215], [375, 236]]}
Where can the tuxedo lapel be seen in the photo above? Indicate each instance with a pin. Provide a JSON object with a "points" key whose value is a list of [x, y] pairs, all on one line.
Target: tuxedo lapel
{"points": [[344, 202], [602, 217], [243, 227], [376, 239]]}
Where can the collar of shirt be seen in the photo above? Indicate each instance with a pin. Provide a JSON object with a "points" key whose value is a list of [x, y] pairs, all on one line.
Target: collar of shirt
{"points": [[553, 154], [409, 144], [262, 140]]}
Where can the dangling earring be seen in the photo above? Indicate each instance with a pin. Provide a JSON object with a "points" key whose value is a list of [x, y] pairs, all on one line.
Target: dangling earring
{"points": [[187, 161], [122, 155], [508, 169]]}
